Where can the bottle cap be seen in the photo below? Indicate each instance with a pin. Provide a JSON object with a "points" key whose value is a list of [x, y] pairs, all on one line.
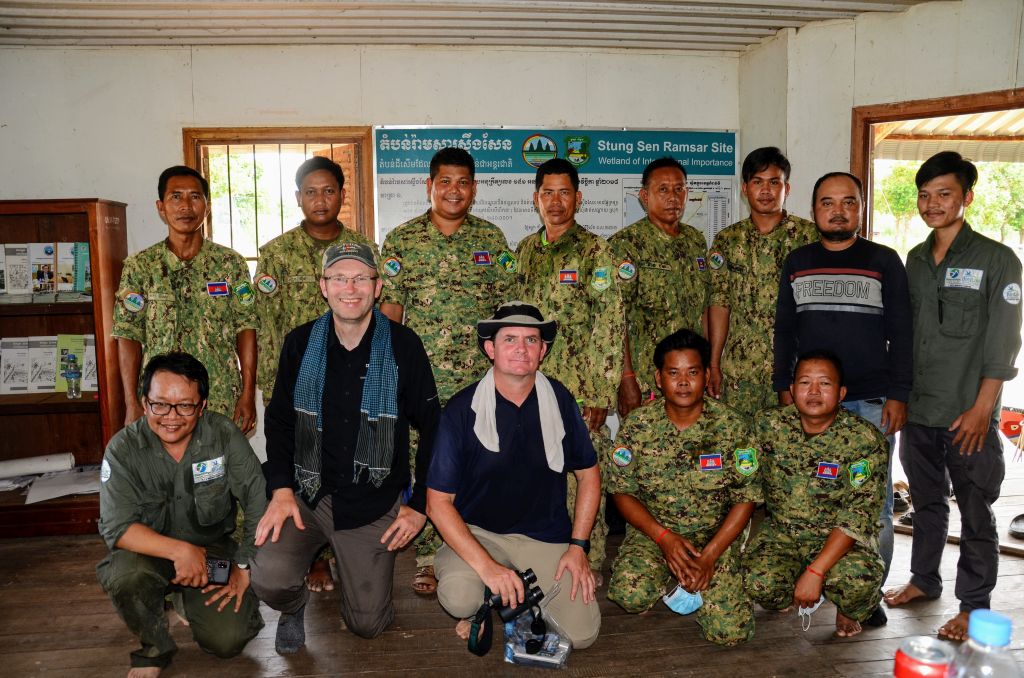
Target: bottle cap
{"points": [[990, 628]]}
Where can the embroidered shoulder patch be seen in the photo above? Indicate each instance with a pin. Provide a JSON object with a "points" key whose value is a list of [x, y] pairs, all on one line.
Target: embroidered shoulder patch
{"points": [[860, 471], [746, 461]]}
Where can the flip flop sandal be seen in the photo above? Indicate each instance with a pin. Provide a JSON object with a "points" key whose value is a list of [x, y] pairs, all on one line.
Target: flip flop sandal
{"points": [[907, 518], [424, 582], [1017, 527]]}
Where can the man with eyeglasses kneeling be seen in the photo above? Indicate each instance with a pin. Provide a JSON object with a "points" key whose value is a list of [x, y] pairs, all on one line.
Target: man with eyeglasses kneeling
{"points": [[349, 384], [170, 483]]}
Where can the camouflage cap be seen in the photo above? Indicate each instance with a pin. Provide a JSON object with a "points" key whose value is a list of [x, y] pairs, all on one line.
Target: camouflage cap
{"points": [[515, 314], [349, 250]]}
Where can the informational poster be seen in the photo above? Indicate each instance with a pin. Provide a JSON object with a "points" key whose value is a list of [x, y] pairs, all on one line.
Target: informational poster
{"points": [[610, 163]]}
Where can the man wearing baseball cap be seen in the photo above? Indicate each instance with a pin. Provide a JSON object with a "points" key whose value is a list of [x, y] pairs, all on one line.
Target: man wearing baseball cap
{"points": [[349, 384], [496, 489]]}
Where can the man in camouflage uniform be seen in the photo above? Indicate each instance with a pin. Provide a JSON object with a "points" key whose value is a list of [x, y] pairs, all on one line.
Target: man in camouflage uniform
{"points": [[745, 260], [824, 472], [189, 294], [684, 474], [441, 270], [569, 274], [288, 271], [288, 284], [663, 276]]}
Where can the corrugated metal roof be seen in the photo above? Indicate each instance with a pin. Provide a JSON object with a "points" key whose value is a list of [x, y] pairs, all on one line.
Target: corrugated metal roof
{"points": [[983, 137], [702, 25]]}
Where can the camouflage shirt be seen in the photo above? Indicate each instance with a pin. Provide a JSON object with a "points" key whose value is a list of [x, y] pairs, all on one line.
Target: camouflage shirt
{"points": [[446, 283], [198, 306], [287, 287], [573, 281], [689, 480], [834, 479], [665, 287], [745, 268]]}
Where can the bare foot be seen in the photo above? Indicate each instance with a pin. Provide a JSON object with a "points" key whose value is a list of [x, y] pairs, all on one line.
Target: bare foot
{"points": [[901, 595], [846, 627], [463, 627], [955, 628], [144, 672], [319, 577]]}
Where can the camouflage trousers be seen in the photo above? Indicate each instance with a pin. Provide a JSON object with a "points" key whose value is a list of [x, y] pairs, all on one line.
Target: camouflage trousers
{"points": [[429, 540], [748, 397], [776, 558], [599, 535], [137, 585], [640, 577]]}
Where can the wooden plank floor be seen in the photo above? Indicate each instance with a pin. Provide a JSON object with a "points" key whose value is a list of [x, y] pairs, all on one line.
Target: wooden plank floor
{"points": [[56, 621]]}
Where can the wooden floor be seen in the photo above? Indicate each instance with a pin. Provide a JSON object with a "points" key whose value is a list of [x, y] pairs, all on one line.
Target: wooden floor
{"points": [[56, 621]]}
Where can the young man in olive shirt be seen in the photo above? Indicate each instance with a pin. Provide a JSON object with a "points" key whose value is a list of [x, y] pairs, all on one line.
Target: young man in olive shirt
{"points": [[965, 291]]}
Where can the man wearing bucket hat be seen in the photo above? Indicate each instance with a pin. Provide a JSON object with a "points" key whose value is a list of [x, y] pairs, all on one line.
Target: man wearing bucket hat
{"points": [[348, 387], [498, 481]]}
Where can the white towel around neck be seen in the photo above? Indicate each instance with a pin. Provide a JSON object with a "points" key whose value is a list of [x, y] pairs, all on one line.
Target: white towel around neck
{"points": [[486, 425]]}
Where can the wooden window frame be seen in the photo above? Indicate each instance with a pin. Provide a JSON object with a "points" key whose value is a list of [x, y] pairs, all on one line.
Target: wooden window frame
{"points": [[862, 140], [361, 184]]}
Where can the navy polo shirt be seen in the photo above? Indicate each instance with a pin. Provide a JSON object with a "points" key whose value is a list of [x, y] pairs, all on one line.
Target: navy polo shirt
{"points": [[511, 491]]}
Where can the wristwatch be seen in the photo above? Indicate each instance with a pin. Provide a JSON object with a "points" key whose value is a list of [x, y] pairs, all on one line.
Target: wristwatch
{"points": [[582, 543]]}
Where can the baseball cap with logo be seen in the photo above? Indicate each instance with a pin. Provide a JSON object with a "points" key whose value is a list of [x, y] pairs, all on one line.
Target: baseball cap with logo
{"points": [[349, 250]]}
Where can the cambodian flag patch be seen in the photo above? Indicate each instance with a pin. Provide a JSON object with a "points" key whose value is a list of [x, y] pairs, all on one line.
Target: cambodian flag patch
{"points": [[827, 470], [218, 289], [567, 277], [711, 462], [482, 258]]}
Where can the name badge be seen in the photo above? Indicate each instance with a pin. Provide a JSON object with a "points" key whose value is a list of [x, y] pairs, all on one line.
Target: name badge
{"points": [[966, 278], [211, 469]]}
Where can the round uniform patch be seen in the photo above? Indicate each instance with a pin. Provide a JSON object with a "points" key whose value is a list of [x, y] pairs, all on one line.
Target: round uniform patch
{"points": [[105, 471], [134, 302], [717, 260], [627, 271], [1011, 294], [392, 267], [266, 284], [622, 456]]}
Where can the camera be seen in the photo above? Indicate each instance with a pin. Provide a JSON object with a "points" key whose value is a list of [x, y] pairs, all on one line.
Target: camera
{"points": [[532, 596], [217, 571]]}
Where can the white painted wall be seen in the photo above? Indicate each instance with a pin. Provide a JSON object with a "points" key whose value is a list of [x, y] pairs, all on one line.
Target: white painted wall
{"points": [[933, 50], [104, 122]]}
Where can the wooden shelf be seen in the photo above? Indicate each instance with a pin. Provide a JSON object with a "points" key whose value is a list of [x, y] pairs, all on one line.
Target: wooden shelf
{"points": [[48, 403], [77, 514], [54, 308]]}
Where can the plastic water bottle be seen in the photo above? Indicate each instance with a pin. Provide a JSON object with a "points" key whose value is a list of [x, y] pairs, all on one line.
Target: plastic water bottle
{"points": [[73, 375], [986, 652]]}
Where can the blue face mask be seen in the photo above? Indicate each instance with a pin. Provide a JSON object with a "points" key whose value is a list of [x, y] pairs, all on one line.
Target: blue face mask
{"points": [[682, 601], [806, 612]]}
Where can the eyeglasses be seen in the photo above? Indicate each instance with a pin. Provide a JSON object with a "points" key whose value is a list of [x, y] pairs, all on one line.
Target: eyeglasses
{"points": [[344, 279], [183, 409]]}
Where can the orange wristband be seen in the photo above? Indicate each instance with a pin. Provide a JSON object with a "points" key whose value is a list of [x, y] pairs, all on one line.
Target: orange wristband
{"points": [[813, 571], [663, 533]]}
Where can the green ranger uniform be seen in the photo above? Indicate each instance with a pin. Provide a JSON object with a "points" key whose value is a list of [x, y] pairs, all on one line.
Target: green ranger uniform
{"points": [[967, 318], [287, 287], [745, 267], [197, 306], [665, 285], [689, 481], [573, 281], [837, 478], [192, 500], [446, 283]]}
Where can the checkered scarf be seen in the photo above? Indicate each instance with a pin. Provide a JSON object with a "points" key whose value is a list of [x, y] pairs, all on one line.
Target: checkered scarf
{"points": [[378, 409]]}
